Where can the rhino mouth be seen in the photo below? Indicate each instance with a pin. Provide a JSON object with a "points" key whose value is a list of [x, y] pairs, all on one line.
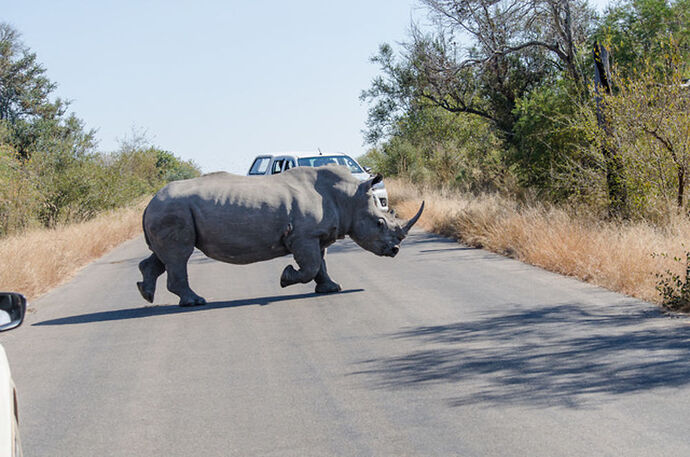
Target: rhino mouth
{"points": [[392, 251]]}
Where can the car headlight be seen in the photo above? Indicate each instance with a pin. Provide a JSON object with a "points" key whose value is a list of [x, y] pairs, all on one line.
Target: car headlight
{"points": [[378, 185]]}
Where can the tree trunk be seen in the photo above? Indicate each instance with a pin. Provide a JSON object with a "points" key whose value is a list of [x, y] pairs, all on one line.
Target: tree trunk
{"points": [[681, 186], [617, 191]]}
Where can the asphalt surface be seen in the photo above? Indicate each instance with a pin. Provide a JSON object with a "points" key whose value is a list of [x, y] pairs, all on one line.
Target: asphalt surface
{"points": [[444, 350]]}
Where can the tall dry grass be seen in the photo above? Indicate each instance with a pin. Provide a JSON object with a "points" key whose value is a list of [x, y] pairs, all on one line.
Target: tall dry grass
{"points": [[36, 261], [614, 255]]}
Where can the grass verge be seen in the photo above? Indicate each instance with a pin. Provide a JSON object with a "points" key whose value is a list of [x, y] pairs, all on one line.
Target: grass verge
{"points": [[616, 255], [38, 260]]}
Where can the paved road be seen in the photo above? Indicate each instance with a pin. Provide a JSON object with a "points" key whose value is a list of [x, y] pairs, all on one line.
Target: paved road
{"points": [[444, 350]]}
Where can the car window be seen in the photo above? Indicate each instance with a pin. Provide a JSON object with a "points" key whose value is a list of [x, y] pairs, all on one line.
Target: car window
{"points": [[351, 164], [277, 166], [289, 164], [260, 166], [320, 161]]}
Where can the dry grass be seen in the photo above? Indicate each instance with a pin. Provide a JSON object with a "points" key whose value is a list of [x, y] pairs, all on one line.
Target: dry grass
{"points": [[617, 256], [36, 261]]}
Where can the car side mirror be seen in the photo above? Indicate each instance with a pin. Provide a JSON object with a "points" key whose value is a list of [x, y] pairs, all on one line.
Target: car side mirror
{"points": [[12, 310], [367, 169]]}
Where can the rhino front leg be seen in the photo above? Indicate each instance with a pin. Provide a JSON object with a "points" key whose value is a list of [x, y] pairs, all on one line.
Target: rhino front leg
{"points": [[307, 254], [324, 284]]}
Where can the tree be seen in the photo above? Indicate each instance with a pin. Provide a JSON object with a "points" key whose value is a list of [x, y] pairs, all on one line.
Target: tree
{"points": [[500, 28], [33, 120], [509, 47], [483, 59], [551, 146], [392, 94], [24, 88], [525, 70], [171, 168], [638, 34], [512, 46], [637, 30], [650, 117]]}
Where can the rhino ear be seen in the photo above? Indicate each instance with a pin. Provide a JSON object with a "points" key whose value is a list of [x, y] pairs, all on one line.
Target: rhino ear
{"points": [[371, 182]]}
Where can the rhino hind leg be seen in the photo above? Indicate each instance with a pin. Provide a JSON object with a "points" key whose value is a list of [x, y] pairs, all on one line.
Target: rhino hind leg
{"points": [[172, 237], [324, 284], [179, 284], [151, 268]]}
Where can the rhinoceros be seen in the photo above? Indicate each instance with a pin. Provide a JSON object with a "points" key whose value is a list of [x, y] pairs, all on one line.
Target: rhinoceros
{"points": [[241, 220]]}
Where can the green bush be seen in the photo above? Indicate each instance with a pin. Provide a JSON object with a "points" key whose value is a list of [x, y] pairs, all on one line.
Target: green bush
{"points": [[19, 197], [61, 185], [674, 288], [444, 149]]}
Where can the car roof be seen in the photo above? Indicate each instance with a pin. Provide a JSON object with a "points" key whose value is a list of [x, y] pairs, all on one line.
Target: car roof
{"points": [[303, 154]]}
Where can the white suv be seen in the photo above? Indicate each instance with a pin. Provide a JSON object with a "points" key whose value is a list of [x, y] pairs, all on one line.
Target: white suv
{"points": [[12, 310], [273, 164]]}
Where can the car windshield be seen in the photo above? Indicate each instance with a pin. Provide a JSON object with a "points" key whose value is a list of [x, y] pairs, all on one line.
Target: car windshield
{"points": [[259, 166], [319, 161]]}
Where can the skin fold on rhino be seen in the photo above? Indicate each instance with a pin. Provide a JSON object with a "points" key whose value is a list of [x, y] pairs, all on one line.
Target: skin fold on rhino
{"points": [[242, 219]]}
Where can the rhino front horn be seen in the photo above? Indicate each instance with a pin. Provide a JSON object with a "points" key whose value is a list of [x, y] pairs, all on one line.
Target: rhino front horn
{"points": [[414, 220]]}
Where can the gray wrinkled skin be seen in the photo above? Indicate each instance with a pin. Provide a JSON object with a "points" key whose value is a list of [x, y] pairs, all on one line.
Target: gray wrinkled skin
{"points": [[241, 219]]}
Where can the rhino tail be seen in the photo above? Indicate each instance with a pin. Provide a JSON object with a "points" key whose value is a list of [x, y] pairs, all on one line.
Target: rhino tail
{"points": [[143, 228]]}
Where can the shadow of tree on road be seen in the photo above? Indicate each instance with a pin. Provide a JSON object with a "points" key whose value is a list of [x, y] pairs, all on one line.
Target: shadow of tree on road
{"points": [[160, 310], [558, 355]]}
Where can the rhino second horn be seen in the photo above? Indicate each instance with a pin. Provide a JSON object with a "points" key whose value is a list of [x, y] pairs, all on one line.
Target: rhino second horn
{"points": [[414, 220]]}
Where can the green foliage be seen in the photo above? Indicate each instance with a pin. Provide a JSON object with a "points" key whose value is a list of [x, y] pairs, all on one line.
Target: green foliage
{"points": [[19, 195], [171, 168], [24, 93], [64, 185], [438, 147], [78, 187], [553, 144], [637, 30], [500, 91], [650, 124], [397, 157], [509, 48], [392, 94], [674, 288]]}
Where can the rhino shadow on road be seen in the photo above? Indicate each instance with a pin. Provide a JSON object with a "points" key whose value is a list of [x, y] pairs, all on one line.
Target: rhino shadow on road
{"points": [[560, 355], [161, 310]]}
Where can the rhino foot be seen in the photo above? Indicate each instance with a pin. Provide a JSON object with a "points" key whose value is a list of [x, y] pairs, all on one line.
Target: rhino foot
{"points": [[287, 278], [328, 287], [193, 301], [147, 294]]}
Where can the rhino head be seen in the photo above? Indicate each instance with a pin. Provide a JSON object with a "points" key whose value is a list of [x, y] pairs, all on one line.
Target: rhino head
{"points": [[375, 230]]}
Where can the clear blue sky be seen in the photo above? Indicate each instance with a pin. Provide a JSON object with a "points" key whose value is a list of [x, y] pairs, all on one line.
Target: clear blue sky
{"points": [[215, 81]]}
